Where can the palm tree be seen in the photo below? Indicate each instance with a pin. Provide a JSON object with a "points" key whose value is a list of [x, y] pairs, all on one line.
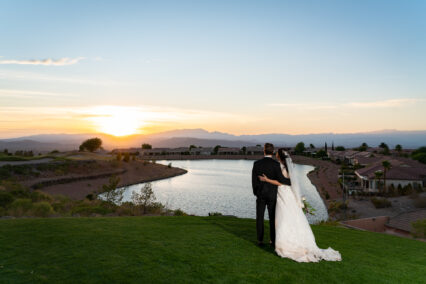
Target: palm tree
{"points": [[377, 176], [386, 166]]}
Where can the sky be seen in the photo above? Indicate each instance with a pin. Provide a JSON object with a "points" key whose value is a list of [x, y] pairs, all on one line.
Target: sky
{"points": [[242, 67]]}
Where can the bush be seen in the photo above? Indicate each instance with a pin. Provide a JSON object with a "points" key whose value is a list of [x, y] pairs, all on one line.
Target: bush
{"points": [[215, 214], [179, 212], [419, 229], [42, 209], [5, 198], [20, 207], [327, 195], [169, 165], [145, 198], [420, 202], [380, 202], [37, 196]]}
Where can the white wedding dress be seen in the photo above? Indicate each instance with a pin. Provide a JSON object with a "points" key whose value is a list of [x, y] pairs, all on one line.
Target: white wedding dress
{"points": [[294, 237]]}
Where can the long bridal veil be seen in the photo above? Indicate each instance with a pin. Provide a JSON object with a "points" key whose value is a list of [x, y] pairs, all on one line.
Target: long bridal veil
{"points": [[295, 186]]}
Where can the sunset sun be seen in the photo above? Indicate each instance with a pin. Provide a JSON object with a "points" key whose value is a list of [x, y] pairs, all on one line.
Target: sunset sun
{"points": [[117, 121]]}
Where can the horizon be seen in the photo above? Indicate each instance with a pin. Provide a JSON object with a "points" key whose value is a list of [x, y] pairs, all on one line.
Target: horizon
{"points": [[241, 68], [382, 131]]}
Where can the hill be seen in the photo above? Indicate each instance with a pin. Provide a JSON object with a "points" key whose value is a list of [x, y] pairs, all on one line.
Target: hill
{"points": [[201, 137], [191, 250]]}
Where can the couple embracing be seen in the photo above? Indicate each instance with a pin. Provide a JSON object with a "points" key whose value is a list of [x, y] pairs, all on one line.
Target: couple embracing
{"points": [[276, 188]]}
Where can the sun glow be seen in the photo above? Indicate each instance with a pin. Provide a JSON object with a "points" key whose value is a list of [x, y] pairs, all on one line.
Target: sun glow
{"points": [[117, 121]]}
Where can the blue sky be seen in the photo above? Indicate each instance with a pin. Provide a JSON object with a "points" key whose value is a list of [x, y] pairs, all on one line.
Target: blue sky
{"points": [[243, 67]]}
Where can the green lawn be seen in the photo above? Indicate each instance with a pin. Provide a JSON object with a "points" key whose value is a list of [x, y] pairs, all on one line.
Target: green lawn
{"points": [[191, 250]]}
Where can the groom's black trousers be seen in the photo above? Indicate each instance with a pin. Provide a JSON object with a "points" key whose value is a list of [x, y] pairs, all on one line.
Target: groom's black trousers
{"points": [[261, 203]]}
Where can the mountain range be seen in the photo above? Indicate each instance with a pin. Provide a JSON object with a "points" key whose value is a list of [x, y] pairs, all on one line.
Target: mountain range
{"points": [[201, 137]]}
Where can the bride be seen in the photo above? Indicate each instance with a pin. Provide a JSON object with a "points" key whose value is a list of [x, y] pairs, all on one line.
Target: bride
{"points": [[294, 238]]}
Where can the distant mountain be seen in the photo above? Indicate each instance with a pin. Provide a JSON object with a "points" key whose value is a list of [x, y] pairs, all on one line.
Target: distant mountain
{"points": [[201, 137]]}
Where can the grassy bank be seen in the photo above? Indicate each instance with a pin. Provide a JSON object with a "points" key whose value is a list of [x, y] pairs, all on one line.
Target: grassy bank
{"points": [[191, 249]]}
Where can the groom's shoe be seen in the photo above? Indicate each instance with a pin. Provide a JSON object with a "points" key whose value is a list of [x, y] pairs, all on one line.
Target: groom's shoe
{"points": [[260, 244]]}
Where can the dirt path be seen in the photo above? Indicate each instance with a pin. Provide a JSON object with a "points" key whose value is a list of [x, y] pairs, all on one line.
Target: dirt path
{"points": [[324, 177], [134, 172]]}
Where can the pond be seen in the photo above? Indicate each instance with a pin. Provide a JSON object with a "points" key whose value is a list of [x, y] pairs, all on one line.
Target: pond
{"points": [[221, 186]]}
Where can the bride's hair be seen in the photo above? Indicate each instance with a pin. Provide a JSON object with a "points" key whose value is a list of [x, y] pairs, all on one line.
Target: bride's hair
{"points": [[283, 156]]}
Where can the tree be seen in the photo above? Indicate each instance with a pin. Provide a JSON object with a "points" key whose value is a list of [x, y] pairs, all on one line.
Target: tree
{"points": [[300, 147], [146, 146], [216, 149], [244, 150], [119, 156], [383, 145], [332, 146], [363, 147], [145, 198], [111, 193], [420, 155], [386, 166], [378, 175], [340, 148], [191, 147], [126, 157], [321, 153], [311, 146], [325, 147], [91, 145], [398, 148]]}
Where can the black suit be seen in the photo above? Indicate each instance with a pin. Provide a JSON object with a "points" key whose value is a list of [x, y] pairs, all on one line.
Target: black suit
{"points": [[266, 193]]}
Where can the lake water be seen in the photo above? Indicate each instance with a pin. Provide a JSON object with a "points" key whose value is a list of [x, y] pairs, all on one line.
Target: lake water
{"points": [[221, 186]]}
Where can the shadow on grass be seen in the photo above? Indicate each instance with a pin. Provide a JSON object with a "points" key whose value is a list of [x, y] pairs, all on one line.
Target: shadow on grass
{"points": [[247, 232]]}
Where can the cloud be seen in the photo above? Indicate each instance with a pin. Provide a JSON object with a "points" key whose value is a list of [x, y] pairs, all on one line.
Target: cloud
{"points": [[28, 93], [384, 103], [374, 104], [47, 62]]}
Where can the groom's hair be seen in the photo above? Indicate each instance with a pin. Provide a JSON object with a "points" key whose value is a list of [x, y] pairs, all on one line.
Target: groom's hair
{"points": [[268, 149]]}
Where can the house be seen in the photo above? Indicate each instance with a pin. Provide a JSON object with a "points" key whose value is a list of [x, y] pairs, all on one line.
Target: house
{"points": [[228, 151], [204, 151], [154, 152], [403, 172], [254, 150]]}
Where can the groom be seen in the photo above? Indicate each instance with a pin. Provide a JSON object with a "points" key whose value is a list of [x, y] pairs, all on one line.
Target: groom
{"points": [[266, 193]]}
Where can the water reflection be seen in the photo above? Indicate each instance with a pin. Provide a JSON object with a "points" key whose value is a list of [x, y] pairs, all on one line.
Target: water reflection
{"points": [[221, 186]]}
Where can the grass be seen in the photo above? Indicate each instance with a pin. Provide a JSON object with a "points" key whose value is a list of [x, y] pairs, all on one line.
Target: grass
{"points": [[191, 250]]}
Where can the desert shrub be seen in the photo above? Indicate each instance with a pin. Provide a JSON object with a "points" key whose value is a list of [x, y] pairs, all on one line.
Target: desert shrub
{"points": [[337, 206], [145, 163], [419, 229], [128, 209], [153, 161], [37, 196], [179, 212], [327, 195], [126, 157], [145, 198], [90, 196], [20, 207], [420, 202], [169, 165], [156, 208], [381, 202], [5, 198], [42, 209]]}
